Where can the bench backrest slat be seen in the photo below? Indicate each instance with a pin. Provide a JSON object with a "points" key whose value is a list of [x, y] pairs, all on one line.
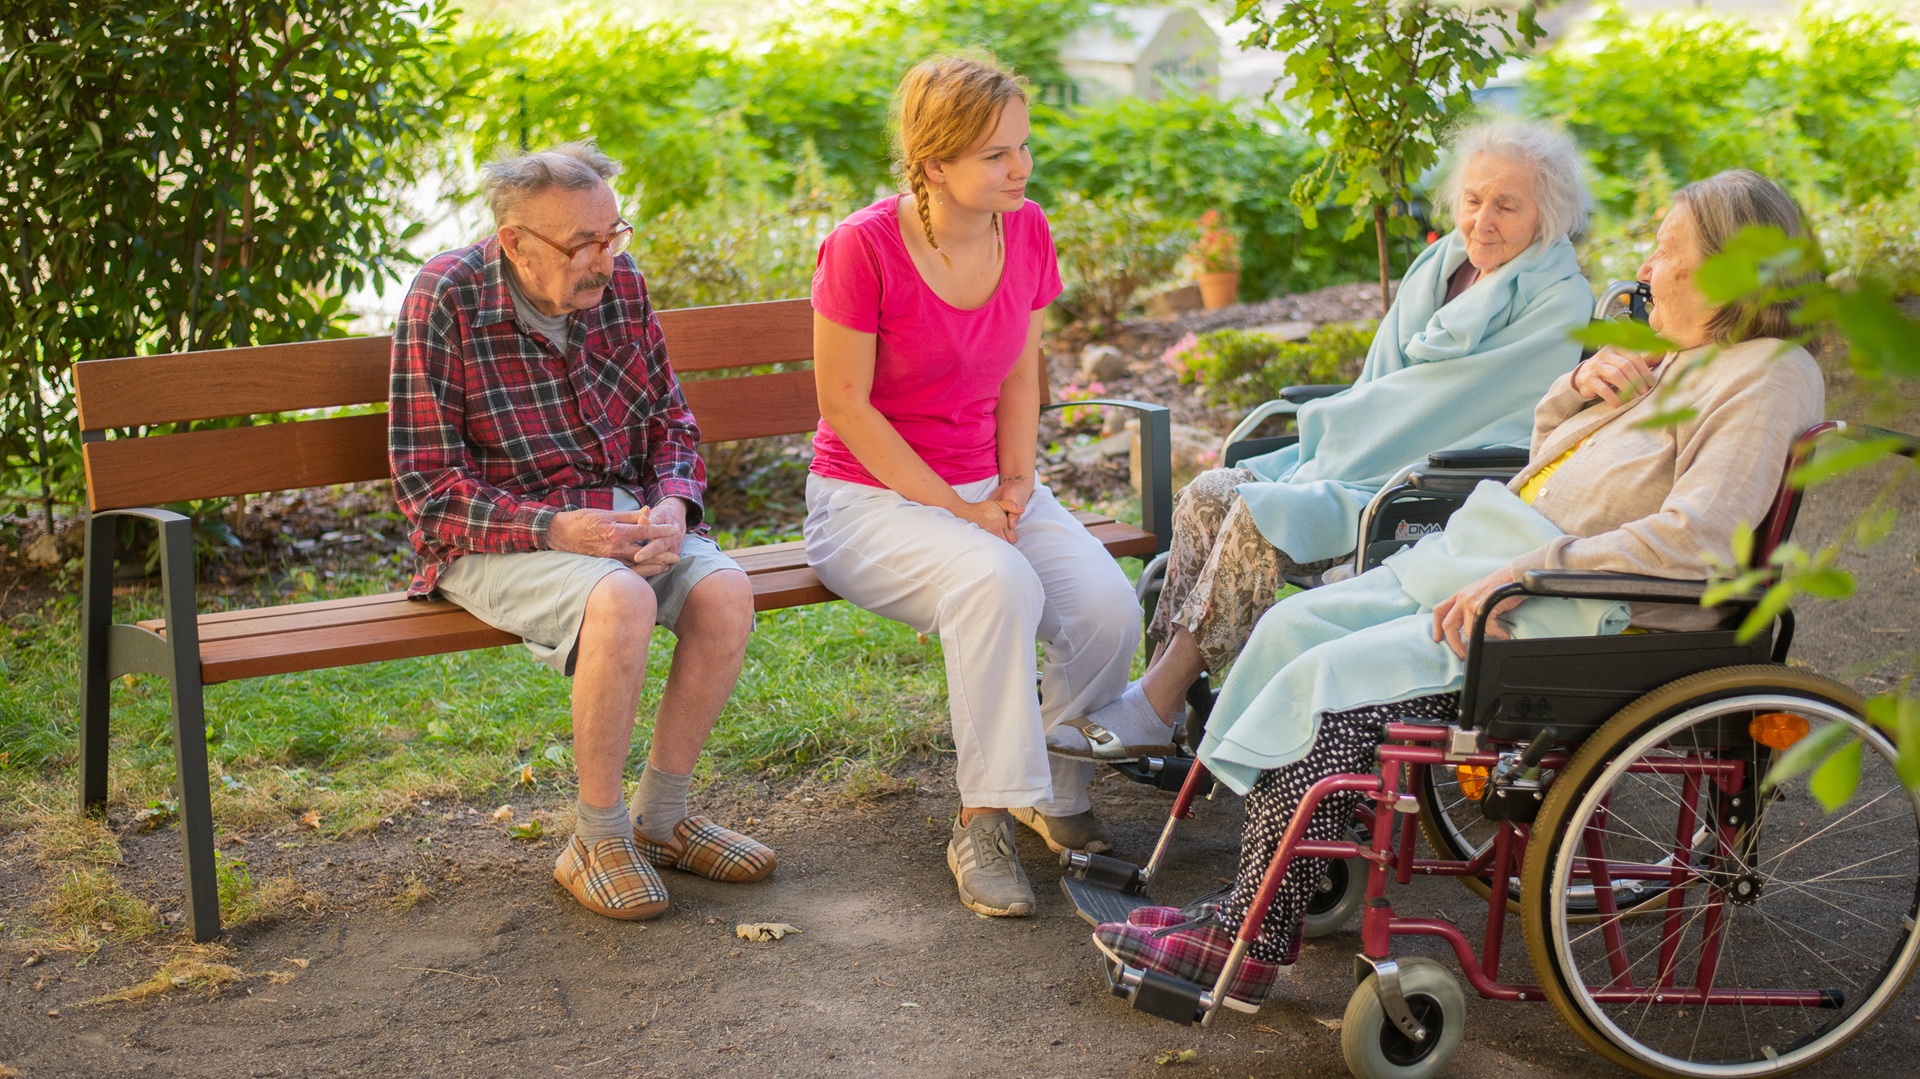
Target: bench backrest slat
{"points": [[140, 391], [738, 335], [753, 406], [235, 461]]}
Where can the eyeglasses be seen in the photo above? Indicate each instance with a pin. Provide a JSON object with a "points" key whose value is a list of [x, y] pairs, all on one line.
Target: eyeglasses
{"points": [[580, 255]]}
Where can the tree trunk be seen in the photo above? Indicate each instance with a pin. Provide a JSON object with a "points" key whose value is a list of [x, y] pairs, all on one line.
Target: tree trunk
{"points": [[1380, 237]]}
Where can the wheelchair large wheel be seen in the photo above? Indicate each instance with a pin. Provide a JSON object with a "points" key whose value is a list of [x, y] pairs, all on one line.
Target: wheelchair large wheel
{"points": [[1781, 931], [1455, 828], [1453, 824]]}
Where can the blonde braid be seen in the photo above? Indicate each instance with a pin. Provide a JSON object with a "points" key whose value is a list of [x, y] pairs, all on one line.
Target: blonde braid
{"points": [[942, 106], [917, 180]]}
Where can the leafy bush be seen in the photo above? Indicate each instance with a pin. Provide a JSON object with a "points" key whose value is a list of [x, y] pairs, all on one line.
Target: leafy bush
{"points": [[1110, 249], [752, 246], [1826, 108], [188, 176], [672, 117], [1189, 153], [1241, 369], [868, 45]]}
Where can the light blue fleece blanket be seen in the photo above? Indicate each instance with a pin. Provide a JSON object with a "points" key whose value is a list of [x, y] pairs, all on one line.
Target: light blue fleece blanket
{"points": [[1454, 376], [1367, 640]]}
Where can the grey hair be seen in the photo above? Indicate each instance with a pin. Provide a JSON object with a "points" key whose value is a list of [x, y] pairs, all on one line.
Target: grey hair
{"points": [[513, 177], [1559, 185], [1722, 205]]}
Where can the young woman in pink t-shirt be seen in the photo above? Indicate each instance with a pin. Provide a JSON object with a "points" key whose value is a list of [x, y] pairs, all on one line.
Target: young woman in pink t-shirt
{"points": [[922, 505]]}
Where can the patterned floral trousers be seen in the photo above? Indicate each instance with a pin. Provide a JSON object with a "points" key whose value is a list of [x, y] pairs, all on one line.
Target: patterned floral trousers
{"points": [[1346, 743], [1221, 572]]}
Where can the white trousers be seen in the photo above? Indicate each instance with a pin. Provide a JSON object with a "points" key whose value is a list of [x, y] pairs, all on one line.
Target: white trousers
{"points": [[989, 601]]}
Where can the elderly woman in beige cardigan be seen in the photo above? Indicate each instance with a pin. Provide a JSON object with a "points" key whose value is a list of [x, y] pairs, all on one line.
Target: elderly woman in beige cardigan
{"points": [[1602, 491]]}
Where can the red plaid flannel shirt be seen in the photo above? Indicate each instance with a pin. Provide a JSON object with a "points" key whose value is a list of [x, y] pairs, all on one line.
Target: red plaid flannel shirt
{"points": [[491, 432]]}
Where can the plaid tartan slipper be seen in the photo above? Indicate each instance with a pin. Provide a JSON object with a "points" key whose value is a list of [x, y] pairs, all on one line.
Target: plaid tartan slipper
{"points": [[1196, 955], [703, 847], [611, 878]]}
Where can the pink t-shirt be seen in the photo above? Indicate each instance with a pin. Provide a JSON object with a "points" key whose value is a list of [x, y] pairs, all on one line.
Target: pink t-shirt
{"points": [[937, 369]]}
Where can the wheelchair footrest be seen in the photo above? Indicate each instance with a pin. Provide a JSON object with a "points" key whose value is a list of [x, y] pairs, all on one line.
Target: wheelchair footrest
{"points": [[1100, 904], [1174, 999], [1166, 773]]}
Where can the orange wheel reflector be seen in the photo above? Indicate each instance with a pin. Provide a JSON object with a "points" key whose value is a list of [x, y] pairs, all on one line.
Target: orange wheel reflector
{"points": [[1777, 730], [1473, 780]]}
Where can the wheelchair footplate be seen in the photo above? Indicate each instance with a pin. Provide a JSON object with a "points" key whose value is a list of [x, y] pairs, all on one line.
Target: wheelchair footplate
{"points": [[1174, 999], [1102, 889]]}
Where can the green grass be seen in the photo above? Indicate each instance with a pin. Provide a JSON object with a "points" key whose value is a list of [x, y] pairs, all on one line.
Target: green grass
{"points": [[828, 691], [821, 684]]}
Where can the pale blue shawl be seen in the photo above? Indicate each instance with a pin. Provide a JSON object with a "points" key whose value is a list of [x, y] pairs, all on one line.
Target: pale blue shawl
{"points": [[1462, 375], [1368, 639]]}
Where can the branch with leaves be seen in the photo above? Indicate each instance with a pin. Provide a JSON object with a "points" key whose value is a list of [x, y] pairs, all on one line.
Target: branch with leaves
{"points": [[1381, 81]]}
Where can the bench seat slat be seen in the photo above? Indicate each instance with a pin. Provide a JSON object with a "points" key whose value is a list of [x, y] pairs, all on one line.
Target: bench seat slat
{"points": [[364, 629]]}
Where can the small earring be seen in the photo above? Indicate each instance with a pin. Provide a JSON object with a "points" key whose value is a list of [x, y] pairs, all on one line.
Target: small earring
{"points": [[940, 195]]}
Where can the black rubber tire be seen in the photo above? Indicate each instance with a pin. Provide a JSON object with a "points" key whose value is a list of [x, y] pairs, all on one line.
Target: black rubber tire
{"points": [[1376, 1049], [1560, 818]]}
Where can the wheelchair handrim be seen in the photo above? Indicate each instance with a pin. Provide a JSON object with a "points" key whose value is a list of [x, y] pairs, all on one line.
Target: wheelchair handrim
{"points": [[1817, 1046]]}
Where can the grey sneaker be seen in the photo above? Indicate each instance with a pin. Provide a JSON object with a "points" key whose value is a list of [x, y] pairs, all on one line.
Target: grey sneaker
{"points": [[1082, 831], [986, 869]]}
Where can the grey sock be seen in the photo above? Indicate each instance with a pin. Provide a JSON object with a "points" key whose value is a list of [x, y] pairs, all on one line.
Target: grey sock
{"points": [[660, 802], [593, 823]]}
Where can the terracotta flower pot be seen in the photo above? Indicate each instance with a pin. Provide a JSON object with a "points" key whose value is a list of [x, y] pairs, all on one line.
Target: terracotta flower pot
{"points": [[1218, 289]]}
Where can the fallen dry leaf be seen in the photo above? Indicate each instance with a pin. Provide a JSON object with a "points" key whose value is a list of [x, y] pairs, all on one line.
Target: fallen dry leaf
{"points": [[34, 958], [503, 813], [1330, 1024], [1177, 1056], [763, 930], [310, 819]]}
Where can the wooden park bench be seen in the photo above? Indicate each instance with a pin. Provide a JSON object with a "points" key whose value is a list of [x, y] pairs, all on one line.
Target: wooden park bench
{"points": [[130, 472]]}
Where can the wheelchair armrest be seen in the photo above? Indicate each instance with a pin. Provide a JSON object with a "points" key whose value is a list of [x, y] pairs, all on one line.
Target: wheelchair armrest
{"points": [[1455, 481], [1298, 394], [1629, 587], [1489, 458]]}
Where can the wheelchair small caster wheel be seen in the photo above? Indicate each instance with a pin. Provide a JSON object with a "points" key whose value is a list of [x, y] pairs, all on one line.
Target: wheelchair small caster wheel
{"points": [[1375, 1045], [1342, 892]]}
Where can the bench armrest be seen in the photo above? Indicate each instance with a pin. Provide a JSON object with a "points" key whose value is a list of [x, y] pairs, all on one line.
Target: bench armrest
{"points": [[1488, 458], [1156, 462], [1300, 394]]}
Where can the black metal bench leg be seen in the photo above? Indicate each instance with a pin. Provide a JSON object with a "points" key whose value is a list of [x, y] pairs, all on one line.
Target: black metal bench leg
{"points": [[96, 677], [189, 730]]}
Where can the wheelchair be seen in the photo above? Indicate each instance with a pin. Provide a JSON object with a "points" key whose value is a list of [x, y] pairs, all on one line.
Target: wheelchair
{"points": [[1686, 911], [1416, 501]]}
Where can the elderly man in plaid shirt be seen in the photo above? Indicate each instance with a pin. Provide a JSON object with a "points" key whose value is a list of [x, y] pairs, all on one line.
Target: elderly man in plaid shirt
{"points": [[544, 456]]}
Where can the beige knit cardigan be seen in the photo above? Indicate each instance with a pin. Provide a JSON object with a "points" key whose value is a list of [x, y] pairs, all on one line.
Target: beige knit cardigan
{"points": [[1665, 501]]}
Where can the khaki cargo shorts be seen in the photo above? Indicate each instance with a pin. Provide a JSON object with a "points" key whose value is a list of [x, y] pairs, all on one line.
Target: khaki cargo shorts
{"points": [[541, 596]]}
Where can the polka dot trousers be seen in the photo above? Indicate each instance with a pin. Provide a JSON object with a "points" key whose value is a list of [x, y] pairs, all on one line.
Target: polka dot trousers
{"points": [[1346, 743]]}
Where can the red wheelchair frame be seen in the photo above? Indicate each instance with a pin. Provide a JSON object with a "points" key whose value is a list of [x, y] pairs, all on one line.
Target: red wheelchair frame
{"points": [[1403, 1020]]}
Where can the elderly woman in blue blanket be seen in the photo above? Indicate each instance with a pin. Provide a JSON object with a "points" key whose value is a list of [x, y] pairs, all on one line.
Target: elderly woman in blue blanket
{"points": [[1602, 490], [1477, 331]]}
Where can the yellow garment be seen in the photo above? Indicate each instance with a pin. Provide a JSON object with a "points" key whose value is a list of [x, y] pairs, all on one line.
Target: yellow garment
{"points": [[1530, 490]]}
